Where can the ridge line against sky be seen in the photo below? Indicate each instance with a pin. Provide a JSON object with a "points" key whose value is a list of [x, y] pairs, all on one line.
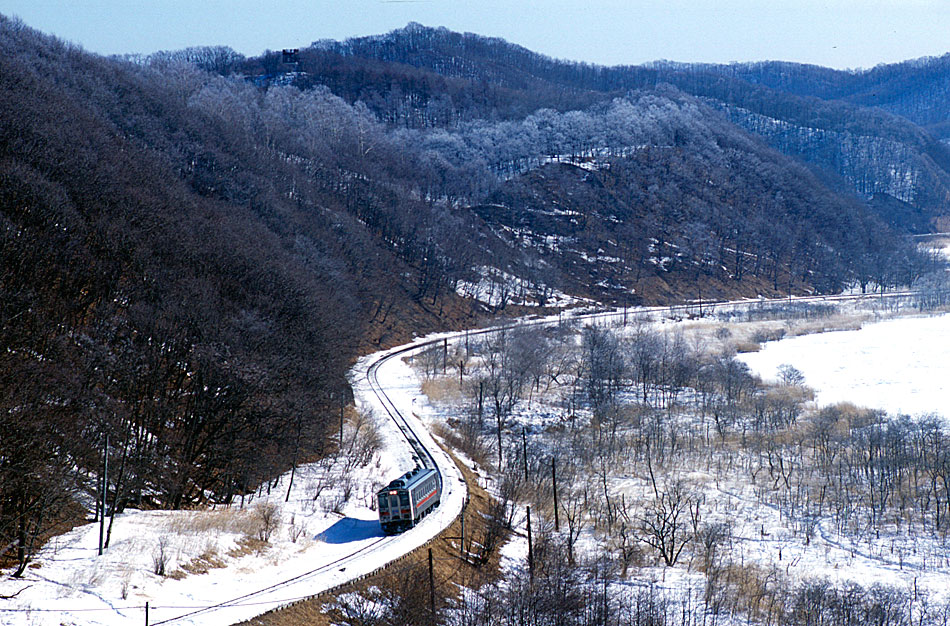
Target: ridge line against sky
{"points": [[834, 33]]}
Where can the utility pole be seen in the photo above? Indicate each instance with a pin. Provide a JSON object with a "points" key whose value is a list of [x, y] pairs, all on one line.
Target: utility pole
{"points": [[105, 488], [554, 487], [445, 353], [481, 398], [431, 588], [462, 542], [530, 548], [524, 452], [499, 440], [342, 405]]}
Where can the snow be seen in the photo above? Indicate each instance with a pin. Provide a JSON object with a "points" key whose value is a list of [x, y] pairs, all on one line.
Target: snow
{"points": [[761, 534], [939, 246], [898, 365], [69, 583], [496, 288]]}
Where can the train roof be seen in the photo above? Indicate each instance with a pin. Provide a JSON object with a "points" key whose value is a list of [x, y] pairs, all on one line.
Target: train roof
{"points": [[410, 478]]}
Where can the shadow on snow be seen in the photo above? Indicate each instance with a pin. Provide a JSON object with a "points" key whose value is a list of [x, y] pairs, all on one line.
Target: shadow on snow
{"points": [[350, 529]]}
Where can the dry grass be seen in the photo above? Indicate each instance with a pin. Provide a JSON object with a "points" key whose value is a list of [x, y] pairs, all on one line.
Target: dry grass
{"points": [[748, 589], [454, 440], [828, 324], [442, 390], [228, 520], [202, 564], [248, 545], [743, 336], [746, 346], [245, 523]]}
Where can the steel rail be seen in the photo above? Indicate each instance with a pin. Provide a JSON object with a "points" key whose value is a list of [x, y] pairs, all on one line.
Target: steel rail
{"points": [[418, 448]]}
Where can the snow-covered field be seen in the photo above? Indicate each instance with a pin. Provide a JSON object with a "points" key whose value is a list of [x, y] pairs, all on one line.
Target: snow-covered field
{"points": [[900, 365], [216, 557]]}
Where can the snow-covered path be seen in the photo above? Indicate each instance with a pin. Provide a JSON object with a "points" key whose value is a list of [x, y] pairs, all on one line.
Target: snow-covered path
{"points": [[70, 584]]}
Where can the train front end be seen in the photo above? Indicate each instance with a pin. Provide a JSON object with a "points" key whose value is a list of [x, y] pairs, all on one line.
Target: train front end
{"points": [[395, 509]]}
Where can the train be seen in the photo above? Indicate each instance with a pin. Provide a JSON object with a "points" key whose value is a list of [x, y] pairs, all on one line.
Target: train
{"points": [[408, 499]]}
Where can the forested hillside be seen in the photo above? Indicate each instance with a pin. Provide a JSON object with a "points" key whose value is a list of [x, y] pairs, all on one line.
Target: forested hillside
{"points": [[915, 89], [816, 114], [194, 246]]}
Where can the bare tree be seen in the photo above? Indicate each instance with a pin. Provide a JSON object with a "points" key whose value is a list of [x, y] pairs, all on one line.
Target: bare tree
{"points": [[664, 525]]}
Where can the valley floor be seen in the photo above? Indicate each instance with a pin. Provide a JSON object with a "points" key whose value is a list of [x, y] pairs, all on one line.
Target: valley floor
{"points": [[754, 486]]}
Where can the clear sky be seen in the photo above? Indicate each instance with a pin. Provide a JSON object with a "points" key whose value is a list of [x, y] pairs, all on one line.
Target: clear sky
{"points": [[835, 33]]}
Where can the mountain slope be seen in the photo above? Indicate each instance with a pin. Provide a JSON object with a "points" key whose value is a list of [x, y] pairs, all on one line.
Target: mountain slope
{"points": [[821, 112], [170, 281]]}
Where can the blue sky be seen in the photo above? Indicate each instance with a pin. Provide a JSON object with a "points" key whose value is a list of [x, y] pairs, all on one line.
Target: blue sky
{"points": [[835, 33]]}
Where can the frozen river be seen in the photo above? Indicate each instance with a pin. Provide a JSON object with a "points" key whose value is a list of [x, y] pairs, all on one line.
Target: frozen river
{"points": [[901, 365]]}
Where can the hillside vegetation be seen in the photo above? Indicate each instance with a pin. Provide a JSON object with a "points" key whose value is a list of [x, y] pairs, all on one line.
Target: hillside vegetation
{"points": [[876, 131], [169, 280]]}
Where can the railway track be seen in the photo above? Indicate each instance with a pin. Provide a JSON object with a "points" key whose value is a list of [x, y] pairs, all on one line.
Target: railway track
{"points": [[247, 598]]}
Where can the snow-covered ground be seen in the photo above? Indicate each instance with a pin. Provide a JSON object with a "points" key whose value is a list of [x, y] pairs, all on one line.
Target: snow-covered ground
{"points": [[216, 557], [496, 288], [900, 365], [938, 245]]}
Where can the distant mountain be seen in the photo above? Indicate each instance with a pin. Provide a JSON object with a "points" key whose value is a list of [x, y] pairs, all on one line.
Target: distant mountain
{"points": [[917, 89], [711, 209], [816, 114]]}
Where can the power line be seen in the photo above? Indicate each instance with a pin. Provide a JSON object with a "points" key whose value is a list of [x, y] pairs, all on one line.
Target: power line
{"points": [[395, 569]]}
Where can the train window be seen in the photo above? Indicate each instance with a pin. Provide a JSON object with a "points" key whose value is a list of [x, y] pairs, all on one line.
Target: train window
{"points": [[404, 498], [384, 501]]}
